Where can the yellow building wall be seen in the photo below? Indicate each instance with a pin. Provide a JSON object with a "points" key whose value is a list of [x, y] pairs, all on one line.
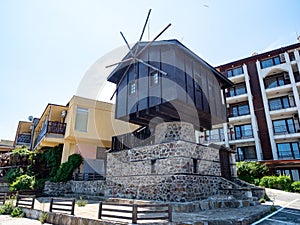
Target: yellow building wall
{"points": [[100, 129]]}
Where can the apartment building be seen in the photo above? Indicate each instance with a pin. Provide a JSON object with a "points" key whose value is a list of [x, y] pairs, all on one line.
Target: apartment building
{"points": [[263, 110], [83, 126]]}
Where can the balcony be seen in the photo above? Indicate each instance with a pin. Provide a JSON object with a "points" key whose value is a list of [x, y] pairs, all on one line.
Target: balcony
{"points": [[239, 118], [52, 131], [286, 132], [238, 78], [24, 139], [245, 135]]}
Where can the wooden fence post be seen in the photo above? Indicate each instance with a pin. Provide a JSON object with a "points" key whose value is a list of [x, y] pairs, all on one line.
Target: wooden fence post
{"points": [[134, 213], [170, 212], [73, 207], [100, 211], [51, 205]]}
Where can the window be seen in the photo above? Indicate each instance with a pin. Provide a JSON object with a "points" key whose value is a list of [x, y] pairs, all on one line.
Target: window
{"points": [[281, 103], [293, 172], [292, 56], [81, 121], [240, 110], [215, 135], [153, 165], [195, 165], [154, 78], [237, 90], [243, 131], [284, 126], [288, 150], [234, 72], [276, 81], [246, 153], [132, 88], [270, 62]]}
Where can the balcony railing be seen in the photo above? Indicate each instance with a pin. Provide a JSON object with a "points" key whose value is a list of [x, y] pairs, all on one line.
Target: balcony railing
{"points": [[140, 137], [51, 127], [283, 129], [245, 134], [23, 139]]}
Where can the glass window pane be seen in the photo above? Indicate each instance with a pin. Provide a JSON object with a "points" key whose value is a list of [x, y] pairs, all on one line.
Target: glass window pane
{"points": [[243, 110], [275, 104], [291, 127], [279, 126], [284, 150], [235, 111], [276, 60], [240, 90], [266, 63], [271, 83], [250, 153], [280, 81], [286, 103], [81, 120]]}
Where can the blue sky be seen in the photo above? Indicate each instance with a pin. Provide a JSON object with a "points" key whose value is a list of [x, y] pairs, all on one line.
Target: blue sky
{"points": [[47, 46]]}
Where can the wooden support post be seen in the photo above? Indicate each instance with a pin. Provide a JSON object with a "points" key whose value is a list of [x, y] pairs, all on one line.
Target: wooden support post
{"points": [[51, 205], [170, 212], [134, 213], [32, 204], [73, 207], [100, 210]]}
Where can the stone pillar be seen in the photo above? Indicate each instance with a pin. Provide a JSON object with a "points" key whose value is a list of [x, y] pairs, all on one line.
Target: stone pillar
{"points": [[174, 131]]}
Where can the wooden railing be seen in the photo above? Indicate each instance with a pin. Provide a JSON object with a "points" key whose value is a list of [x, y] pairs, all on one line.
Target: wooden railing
{"points": [[64, 205], [135, 212], [2, 198], [26, 201], [140, 137]]}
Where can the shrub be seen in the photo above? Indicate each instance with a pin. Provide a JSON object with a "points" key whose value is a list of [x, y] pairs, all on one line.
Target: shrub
{"points": [[81, 202], [251, 172], [281, 182], [13, 174], [66, 169], [24, 182], [296, 186], [262, 200], [17, 212], [43, 217], [284, 183], [7, 208]]}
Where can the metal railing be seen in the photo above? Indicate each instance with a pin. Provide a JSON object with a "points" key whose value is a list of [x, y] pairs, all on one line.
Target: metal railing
{"points": [[87, 176], [23, 139], [51, 127], [283, 129]]}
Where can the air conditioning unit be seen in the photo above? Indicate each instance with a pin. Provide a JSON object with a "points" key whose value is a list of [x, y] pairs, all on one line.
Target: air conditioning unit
{"points": [[286, 76], [282, 58]]}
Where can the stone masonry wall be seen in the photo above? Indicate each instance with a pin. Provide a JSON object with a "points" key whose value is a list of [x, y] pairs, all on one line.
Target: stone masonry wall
{"points": [[178, 171], [75, 187], [168, 158]]}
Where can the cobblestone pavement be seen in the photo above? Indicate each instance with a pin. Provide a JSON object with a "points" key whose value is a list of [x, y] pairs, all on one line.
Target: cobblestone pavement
{"points": [[287, 213], [8, 220]]}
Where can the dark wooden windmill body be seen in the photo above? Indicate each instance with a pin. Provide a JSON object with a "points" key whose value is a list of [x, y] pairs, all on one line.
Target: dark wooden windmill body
{"points": [[168, 81]]}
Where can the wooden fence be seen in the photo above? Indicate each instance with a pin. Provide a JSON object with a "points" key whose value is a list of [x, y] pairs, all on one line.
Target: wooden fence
{"points": [[135, 212], [64, 205]]}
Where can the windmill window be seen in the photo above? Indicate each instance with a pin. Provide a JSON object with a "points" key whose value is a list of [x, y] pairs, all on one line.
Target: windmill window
{"points": [[132, 88], [154, 76]]}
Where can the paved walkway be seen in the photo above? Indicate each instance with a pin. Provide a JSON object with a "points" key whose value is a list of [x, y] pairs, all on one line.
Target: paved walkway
{"points": [[288, 215]]}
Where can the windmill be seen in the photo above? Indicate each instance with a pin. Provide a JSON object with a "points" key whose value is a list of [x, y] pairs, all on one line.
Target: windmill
{"points": [[135, 54]]}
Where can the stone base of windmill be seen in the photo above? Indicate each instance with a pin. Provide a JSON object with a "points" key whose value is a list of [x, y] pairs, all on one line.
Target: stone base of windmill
{"points": [[175, 169]]}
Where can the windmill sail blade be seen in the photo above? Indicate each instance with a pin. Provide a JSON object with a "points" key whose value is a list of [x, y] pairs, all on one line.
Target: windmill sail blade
{"points": [[127, 44], [145, 25], [123, 61], [152, 67], [123, 76], [154, 39]]}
